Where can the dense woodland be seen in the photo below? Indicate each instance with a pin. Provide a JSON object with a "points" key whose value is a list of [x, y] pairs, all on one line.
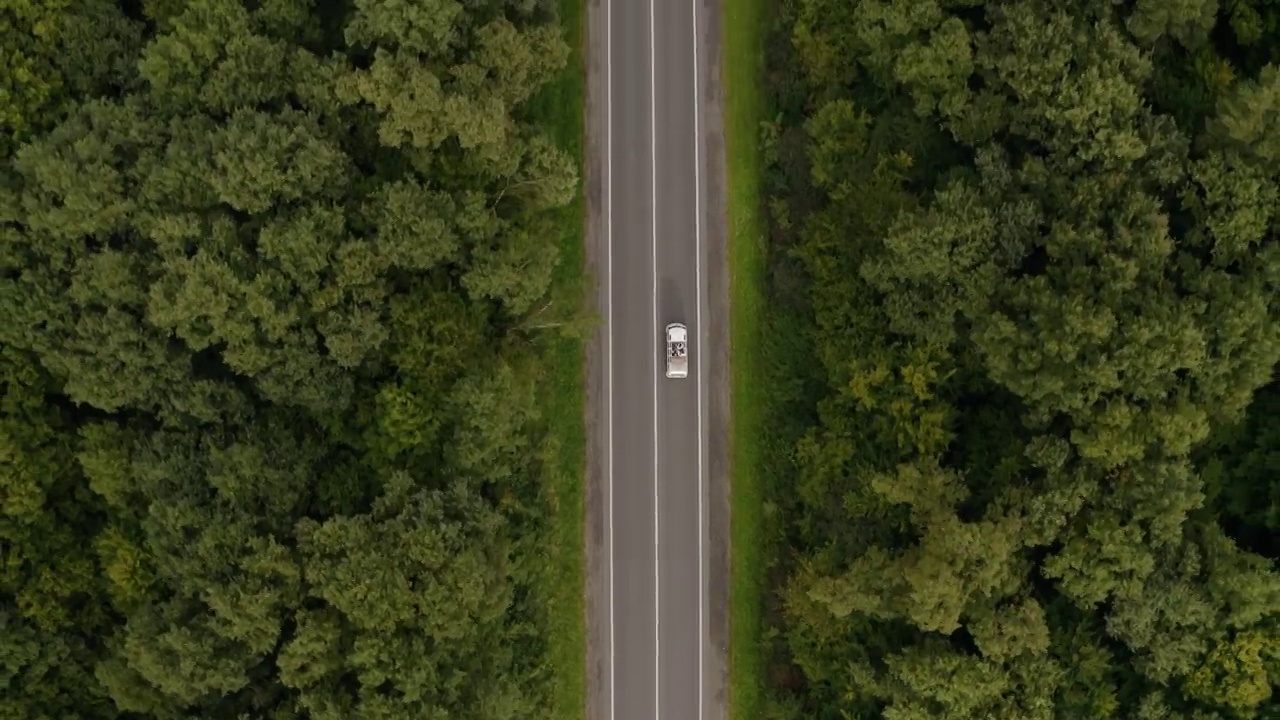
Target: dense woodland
{"points": [[1027, 280], [274, 284]]}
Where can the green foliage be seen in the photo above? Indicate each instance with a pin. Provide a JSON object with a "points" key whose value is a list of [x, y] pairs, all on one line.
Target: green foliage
{"points": [[1039, 256], [57, 52], [271, 441], [30, 80]]}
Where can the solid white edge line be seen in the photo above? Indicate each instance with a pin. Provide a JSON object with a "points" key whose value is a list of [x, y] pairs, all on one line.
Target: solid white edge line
{"points": [[608, 224], [698, 368], [653, 198]]}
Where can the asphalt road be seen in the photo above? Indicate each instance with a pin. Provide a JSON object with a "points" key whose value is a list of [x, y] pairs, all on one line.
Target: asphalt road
{"points": [[658, 656]]}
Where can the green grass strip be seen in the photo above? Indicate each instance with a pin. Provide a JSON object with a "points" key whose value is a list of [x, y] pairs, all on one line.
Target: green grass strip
{"points": [[745, 24], [559, 110]]}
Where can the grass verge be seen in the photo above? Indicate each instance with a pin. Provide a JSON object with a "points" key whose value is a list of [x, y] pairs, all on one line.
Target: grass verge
{"points": [[746, 106], [558, 108]]}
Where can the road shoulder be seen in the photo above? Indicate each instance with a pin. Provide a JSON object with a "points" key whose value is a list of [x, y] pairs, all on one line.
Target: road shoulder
{"points": [[715, 237], [597, 586]]}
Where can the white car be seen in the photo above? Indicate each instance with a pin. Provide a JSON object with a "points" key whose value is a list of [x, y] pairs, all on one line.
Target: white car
{"points": [[677, 351]]}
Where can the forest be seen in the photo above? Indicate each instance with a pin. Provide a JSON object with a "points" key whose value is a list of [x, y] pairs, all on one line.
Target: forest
{"points": [[284, 303], [1024, 269]]}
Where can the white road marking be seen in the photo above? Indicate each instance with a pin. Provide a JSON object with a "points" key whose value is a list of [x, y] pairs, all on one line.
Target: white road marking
{"points": [[608, 224], [697, 235], [653, 195]]}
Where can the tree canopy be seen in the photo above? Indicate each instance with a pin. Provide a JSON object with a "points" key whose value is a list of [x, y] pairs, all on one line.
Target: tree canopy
{"points": [[1037, 245], [271, 437]]}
